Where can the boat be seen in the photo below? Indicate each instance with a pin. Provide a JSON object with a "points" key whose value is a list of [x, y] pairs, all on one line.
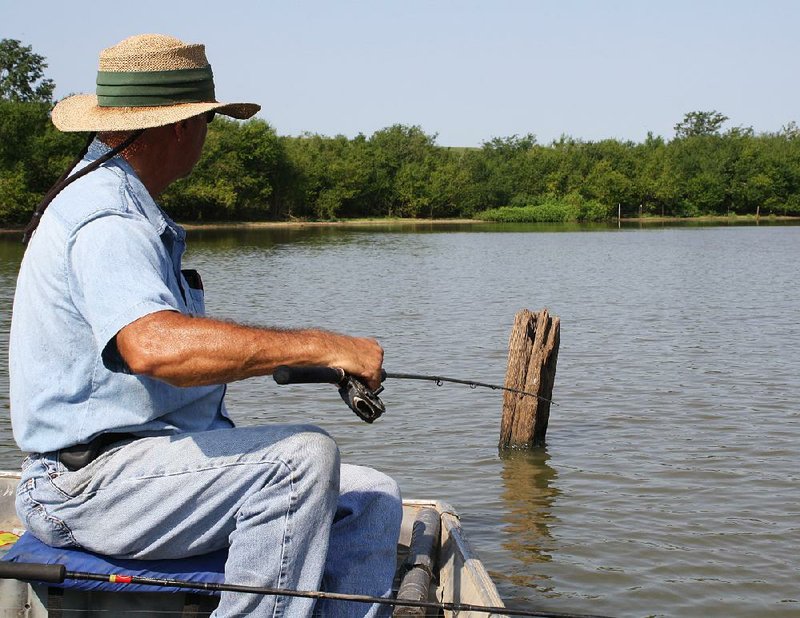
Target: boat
{"points": [[436, 566]]}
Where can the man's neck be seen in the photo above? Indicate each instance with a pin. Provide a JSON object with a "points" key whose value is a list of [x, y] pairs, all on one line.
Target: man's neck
{"points": [[149, 156]]}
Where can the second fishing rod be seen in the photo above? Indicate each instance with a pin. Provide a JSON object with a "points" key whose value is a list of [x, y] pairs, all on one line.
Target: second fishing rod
{"points": [[365, 401]]}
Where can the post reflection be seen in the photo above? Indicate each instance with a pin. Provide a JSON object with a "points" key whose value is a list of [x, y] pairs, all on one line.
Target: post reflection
{"points": [[529, 490]]}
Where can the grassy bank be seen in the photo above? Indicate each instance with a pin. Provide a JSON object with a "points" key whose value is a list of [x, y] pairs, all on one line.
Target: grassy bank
{"points": [[572, 209]]}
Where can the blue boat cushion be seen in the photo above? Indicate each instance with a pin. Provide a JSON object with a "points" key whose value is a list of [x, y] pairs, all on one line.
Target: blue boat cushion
{"points": [[204, 568]]}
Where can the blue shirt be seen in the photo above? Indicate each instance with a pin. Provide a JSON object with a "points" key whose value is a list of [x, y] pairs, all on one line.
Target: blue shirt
{"points": [[103, 256]]}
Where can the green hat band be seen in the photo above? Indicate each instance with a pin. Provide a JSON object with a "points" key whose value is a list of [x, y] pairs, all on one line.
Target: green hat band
{"points": [[154, 88]]}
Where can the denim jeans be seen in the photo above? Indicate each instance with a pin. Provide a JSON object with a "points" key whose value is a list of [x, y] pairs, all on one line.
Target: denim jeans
{"points": [[292, 515]]}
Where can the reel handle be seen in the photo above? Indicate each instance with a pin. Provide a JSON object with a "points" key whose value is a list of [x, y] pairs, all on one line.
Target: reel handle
{"points": [[308, 375], [50, 573]]}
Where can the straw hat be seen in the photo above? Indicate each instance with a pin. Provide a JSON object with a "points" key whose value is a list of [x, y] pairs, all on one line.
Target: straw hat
{"points": [[149, 80]]}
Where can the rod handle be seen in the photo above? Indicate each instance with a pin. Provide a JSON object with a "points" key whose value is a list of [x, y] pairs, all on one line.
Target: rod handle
{"points": [[30, 571], [307, 375]]}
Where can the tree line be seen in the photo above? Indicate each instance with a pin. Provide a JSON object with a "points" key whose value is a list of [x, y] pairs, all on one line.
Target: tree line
{"points": [[250, 173]]}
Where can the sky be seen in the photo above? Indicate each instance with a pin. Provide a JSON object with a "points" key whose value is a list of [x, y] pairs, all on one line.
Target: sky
{"points": [[465, 71]]}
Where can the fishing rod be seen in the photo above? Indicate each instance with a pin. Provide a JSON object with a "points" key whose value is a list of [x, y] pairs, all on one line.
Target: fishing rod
{"points": [[57, 573], [470, 383], [363, 400]]}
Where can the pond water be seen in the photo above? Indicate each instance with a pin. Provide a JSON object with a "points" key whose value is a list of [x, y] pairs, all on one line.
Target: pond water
{"points": [[670, 482]]}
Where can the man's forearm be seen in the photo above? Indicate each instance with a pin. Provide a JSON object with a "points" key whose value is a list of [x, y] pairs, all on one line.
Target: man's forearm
{"points": [[190, 351]]}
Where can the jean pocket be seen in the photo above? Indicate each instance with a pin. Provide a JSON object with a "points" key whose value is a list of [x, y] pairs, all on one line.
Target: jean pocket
{"points": [[30, 460], [72, 484], [46, 527]]}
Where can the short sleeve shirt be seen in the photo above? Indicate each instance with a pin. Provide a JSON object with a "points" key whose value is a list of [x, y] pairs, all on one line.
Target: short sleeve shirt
{"points": [[103, 256]]}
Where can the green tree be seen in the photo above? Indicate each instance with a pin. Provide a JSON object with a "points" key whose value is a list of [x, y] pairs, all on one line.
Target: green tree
{"points": [[398, 191], [233, 179], [329, 177], [22, 74], [790, 130], [700, 123], [507, 168], [33, 153], [656, 182]]}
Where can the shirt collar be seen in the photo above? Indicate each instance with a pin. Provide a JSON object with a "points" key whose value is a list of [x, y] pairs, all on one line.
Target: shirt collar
{"points": [[160, 220]]}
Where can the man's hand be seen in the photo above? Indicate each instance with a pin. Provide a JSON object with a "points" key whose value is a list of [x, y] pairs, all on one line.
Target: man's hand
{"points": [[364, 360]]}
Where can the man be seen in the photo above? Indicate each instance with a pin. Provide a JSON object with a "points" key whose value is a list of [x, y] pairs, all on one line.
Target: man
{"points": [[117, 379]]}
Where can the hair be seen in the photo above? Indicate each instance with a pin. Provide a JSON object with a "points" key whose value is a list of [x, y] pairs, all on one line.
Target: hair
{"points": [[114, 139]]}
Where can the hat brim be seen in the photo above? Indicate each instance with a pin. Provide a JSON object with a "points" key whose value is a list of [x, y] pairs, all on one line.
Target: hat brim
{"points": [[80, 112]]}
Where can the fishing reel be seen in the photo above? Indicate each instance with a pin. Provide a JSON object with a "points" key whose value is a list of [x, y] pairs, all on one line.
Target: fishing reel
{"points": [[357, 395], [361, 400]]}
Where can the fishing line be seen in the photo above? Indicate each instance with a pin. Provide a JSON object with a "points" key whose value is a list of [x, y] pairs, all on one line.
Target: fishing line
{"points": [[471, 383]]}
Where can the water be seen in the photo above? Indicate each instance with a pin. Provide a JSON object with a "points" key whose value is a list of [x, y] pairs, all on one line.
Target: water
{"points": [[670, 482]]}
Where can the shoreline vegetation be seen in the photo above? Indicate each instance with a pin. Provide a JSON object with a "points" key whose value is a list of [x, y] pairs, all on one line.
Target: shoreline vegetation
{"points": [[249, 174], [643, 221]]}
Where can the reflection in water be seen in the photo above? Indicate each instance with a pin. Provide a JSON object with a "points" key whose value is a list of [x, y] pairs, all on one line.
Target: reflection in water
{"points": [[529, 490], [266, 237], [11, 250]]}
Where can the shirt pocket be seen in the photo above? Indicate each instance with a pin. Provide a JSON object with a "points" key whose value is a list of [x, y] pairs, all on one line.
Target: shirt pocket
{"points": [[195, 296]]}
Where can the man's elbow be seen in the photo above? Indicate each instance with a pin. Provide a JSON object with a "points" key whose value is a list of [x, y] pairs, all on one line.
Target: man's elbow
{"points": [[144, 347], [141, 362]]}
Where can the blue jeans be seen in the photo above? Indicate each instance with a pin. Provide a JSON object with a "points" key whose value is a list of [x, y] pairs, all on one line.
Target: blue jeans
{"points": [[292, 516]]}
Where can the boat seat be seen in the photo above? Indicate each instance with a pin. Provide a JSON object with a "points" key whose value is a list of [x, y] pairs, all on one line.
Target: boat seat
{"points": [[204, 568]]}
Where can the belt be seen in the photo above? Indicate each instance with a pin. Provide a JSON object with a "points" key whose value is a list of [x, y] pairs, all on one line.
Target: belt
{"points": [[76, 457]]}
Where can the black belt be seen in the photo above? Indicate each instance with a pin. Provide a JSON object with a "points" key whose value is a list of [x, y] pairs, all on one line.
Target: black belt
{"points": [[76, 457]]}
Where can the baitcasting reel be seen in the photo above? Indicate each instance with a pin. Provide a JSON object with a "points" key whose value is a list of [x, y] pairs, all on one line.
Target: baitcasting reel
{"points": [[359, 398]]}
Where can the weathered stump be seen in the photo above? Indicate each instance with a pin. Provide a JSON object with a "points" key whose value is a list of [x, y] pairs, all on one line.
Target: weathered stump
{"points": [[532, 356]]}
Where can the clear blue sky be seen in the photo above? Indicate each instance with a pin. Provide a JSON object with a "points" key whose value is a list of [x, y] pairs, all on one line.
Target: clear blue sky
{"points": [[465, 70]]}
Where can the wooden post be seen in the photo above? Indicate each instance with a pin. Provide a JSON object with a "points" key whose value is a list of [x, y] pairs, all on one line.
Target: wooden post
{"points": [[532, 356]]}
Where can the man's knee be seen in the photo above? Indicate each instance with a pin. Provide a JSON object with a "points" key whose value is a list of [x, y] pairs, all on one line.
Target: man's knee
{"points": [[391, 500], [363, 479], [389, 503], [365, 489], [311, 450]]}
